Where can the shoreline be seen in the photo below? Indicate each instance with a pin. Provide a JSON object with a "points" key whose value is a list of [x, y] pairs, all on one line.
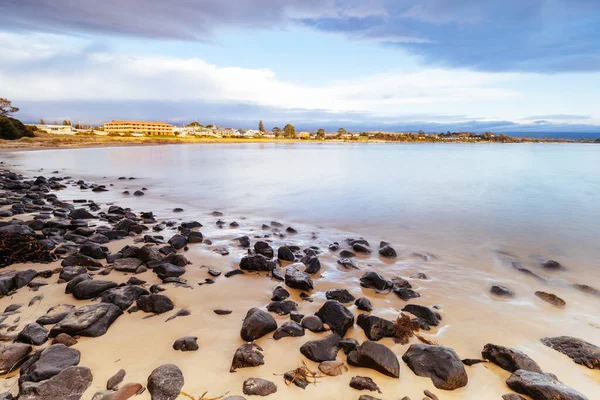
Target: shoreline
{"points": [[218, 336]]}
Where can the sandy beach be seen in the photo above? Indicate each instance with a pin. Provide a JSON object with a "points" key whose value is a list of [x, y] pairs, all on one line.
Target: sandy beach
{"points": [[456, 284]]}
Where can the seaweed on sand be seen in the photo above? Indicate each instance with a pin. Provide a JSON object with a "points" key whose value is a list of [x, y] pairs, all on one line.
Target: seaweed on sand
{"points": [[17, 247]]}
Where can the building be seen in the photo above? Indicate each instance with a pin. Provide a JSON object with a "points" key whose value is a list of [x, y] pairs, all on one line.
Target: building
{"points": [[143, 127], [57, 129]]}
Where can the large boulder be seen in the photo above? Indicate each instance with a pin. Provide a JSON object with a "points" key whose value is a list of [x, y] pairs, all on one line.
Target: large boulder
{"points": [[165, 382], [10, 280], [69, 384], [284, 253], [375, 356], [94, 250], [578, 350], [247, 355], [123, 296], [155, 303], [256, 262], [289, 329], [257, 323], [338, 317], [81, 213], [92, 320], [322, 350], [12, 355], [48, 362], [166, 270], [509, 359], [80, 260], [128, 264], [376, 328], [91, 288], [439, 363], [264, 248], [341, 295], [541, 386]]}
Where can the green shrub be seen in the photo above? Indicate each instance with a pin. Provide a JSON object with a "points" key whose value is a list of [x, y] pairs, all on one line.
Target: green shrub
{"points": [[12, 129]]}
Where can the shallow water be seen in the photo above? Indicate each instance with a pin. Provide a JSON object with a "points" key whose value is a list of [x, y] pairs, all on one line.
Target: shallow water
{"points": [[467, 211]]}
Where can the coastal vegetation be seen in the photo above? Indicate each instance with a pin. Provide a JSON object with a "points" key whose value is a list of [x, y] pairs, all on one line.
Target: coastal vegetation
{"points": [[11, 128]]}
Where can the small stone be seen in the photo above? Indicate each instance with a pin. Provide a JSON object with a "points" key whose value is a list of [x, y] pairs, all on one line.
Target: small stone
{"points": [[364, 383], [258, 387], [333, 368], [186, 343], [551, 298]]}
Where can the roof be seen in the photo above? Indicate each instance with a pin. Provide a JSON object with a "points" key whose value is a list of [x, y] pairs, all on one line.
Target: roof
{"points": [[136, 122]]}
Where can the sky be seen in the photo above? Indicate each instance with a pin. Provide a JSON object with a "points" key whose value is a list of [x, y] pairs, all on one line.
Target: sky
{"points": [[516, 66]]}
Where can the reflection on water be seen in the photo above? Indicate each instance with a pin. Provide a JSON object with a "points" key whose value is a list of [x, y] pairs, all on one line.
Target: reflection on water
{"points": [[537, 195]]}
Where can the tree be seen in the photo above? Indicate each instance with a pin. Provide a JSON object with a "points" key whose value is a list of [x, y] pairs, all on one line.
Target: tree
{"points": [[261, 126], [321, 134], [42, 122], [195, 124], [66, 123], [342, 132], [11, 129], [289, 131], [6, 108], [78, 126], [276, 131]]}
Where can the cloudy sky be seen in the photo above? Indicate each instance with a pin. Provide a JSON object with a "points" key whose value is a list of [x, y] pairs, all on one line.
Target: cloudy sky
{"points": [[503, 65]]}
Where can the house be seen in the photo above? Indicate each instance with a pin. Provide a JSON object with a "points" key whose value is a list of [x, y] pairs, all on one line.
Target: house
{"points": [[57, 129], [143, 127]]}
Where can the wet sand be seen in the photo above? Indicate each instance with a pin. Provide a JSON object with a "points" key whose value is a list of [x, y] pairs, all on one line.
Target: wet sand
{"points": [[458, 282]]}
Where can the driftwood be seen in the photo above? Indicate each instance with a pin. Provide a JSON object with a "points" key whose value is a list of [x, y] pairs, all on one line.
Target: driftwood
{"points": [[18, 248]]}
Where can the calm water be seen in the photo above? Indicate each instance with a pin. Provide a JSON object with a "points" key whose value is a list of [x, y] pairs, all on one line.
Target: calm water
{"points": [[542, 197]]}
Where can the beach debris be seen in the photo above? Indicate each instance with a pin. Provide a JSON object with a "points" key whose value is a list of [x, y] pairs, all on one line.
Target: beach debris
{"points": [[21, 248], [302, 376], [551, 298]]}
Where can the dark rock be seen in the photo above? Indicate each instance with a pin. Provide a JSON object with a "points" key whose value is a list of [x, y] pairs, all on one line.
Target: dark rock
{"points": [[298, 380], [298, 280], [282, 307], [364, 383], [135, 281], [372, 280], [313, 323], [89, 289], [222, 312], [264, 248], [512, 396], [115, 380], [80, 260], [69, 384], [551, 298], [129, 264], [361, 248], [181, 313], [285, 254], [376, 328], [33, 333], [55, 314], [552, 265], [48, 362], [347, 254], [166, 270], [178, 241], [509, 359], [387, 251], [296, 316], [92, 320], [76, 281], [12, 356], [502, 291], [348, 345], [186, 343], [257, 323], [367, 397], [347, 263], [375, 356], [123, 296], [258, 387], [338, 317], [81, 213], [155, 303], [165, 382], [472, 361], [429, 316], [322, 350], [244, 241], [247, 355], [280, 294], [333, 368], [363, 304], [149, 253], [541, 386], [441, 364], [256, 262], [578, 350], [195, 237], [233, 273], [289, 329], [341, 295], [313, 265], [406, 294], [94, 250]]}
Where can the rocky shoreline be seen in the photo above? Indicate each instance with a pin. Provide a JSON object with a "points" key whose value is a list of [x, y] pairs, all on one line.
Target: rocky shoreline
{"points": [[89, 245]]}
